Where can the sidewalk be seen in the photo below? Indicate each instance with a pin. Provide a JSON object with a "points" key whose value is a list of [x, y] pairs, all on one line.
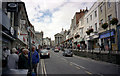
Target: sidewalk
{"points": [[14, 72]]}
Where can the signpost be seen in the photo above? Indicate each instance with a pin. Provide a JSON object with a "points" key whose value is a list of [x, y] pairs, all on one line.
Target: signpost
{"points": [[30, 69]]}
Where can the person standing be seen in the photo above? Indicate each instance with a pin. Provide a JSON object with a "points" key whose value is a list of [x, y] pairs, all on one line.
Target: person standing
{"points": [[35, 59], [4, 57], [102, 47], [13, 60], [23, 60]]}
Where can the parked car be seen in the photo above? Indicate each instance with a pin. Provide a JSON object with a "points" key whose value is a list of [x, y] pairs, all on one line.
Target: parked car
{"points": [[44, 53], [56, 49], [67, 52]]}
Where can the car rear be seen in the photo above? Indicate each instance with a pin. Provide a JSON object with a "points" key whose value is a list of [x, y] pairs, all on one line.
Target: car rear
{"points": [[56, 50]]}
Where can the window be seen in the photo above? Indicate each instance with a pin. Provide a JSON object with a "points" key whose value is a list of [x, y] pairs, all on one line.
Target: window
{"points": [[109, 4], [101, 9], [81, 31], [109, 18], [95, 26], [87, 20], [91, 17], [95, 13], [101, 21]]}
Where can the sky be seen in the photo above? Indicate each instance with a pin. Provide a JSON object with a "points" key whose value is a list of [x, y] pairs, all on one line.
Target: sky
{"points": [[50, 16]]}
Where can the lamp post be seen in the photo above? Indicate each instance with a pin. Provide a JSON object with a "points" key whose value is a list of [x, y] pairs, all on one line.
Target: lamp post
{"points": [[30, 69]]}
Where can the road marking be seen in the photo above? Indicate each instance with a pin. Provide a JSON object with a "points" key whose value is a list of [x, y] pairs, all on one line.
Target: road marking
{"points": [[38, 67], [44, 68], [64, 60], [78, 65], [71, 64], [88, 72]]}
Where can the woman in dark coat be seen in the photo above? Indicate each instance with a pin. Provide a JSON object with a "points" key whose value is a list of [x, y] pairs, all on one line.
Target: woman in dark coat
{"points": [[23, 60]]}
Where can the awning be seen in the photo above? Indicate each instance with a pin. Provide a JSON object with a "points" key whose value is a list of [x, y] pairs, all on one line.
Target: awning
{"points": [[10, 37]]}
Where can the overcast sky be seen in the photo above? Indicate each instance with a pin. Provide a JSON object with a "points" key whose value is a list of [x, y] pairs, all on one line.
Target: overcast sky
{"points": [[50, 16]]}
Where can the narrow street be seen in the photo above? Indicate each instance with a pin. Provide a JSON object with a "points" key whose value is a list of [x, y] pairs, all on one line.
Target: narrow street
{"points": [[58, 64], [86, 30]]}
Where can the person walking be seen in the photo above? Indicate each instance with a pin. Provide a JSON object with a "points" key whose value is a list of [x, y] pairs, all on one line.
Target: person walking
{"points": [[13, 59], [102, 47], [23, 60], [35, 59]]}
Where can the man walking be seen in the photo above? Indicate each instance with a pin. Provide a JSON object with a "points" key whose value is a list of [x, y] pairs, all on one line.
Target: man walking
{"points": [[35, 59]]}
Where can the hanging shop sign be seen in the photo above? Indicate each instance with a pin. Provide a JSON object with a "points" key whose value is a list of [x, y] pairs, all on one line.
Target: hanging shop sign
{"points": [[11, 30], [12, 7]]}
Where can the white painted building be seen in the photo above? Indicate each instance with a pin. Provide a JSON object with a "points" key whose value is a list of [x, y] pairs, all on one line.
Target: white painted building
{"points": [[91, 19]]}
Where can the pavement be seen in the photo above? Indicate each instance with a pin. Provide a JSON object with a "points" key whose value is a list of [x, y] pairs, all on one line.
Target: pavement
{"points": [[57, 64]]}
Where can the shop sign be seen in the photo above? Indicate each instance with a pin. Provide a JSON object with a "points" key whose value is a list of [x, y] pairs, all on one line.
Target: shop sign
{"points": [[11, 30], [12, 7], [107, 34]]}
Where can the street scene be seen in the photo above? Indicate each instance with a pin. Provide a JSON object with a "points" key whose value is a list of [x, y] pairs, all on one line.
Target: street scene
{"points": [[60, 38]]}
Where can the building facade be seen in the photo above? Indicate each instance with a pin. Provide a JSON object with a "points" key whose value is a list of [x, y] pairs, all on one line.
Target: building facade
{"points": [[107, 37], [58, 39], [118, 26], [39, 39], [15, 25], [91, 21], [46, 42]]}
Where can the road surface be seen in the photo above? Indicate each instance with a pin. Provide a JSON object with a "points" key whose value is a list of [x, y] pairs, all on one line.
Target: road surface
{"points": [[57, 64]]}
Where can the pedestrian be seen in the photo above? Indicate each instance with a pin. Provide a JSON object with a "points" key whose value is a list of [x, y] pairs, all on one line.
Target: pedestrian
{"points": [[7, 51], [4, 57], [20, 52], [35, 59], [23, 60], [102, 47], [13, 59], [78, 46]]}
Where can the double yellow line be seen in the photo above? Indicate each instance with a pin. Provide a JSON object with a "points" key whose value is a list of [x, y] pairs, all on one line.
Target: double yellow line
{"points": [[43, 69]]}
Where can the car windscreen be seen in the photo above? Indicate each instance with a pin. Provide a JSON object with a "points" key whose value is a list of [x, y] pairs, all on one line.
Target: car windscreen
{"points": [[44, 51], [68, 51]]}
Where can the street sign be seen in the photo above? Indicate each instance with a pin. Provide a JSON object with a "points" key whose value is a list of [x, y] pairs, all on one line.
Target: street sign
{"points": [[12, 7]]}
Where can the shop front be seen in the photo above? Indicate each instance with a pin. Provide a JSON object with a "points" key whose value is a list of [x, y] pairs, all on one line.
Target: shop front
{"points": [[118, 37], [107, 39], [92, 42], [7, 31]]}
